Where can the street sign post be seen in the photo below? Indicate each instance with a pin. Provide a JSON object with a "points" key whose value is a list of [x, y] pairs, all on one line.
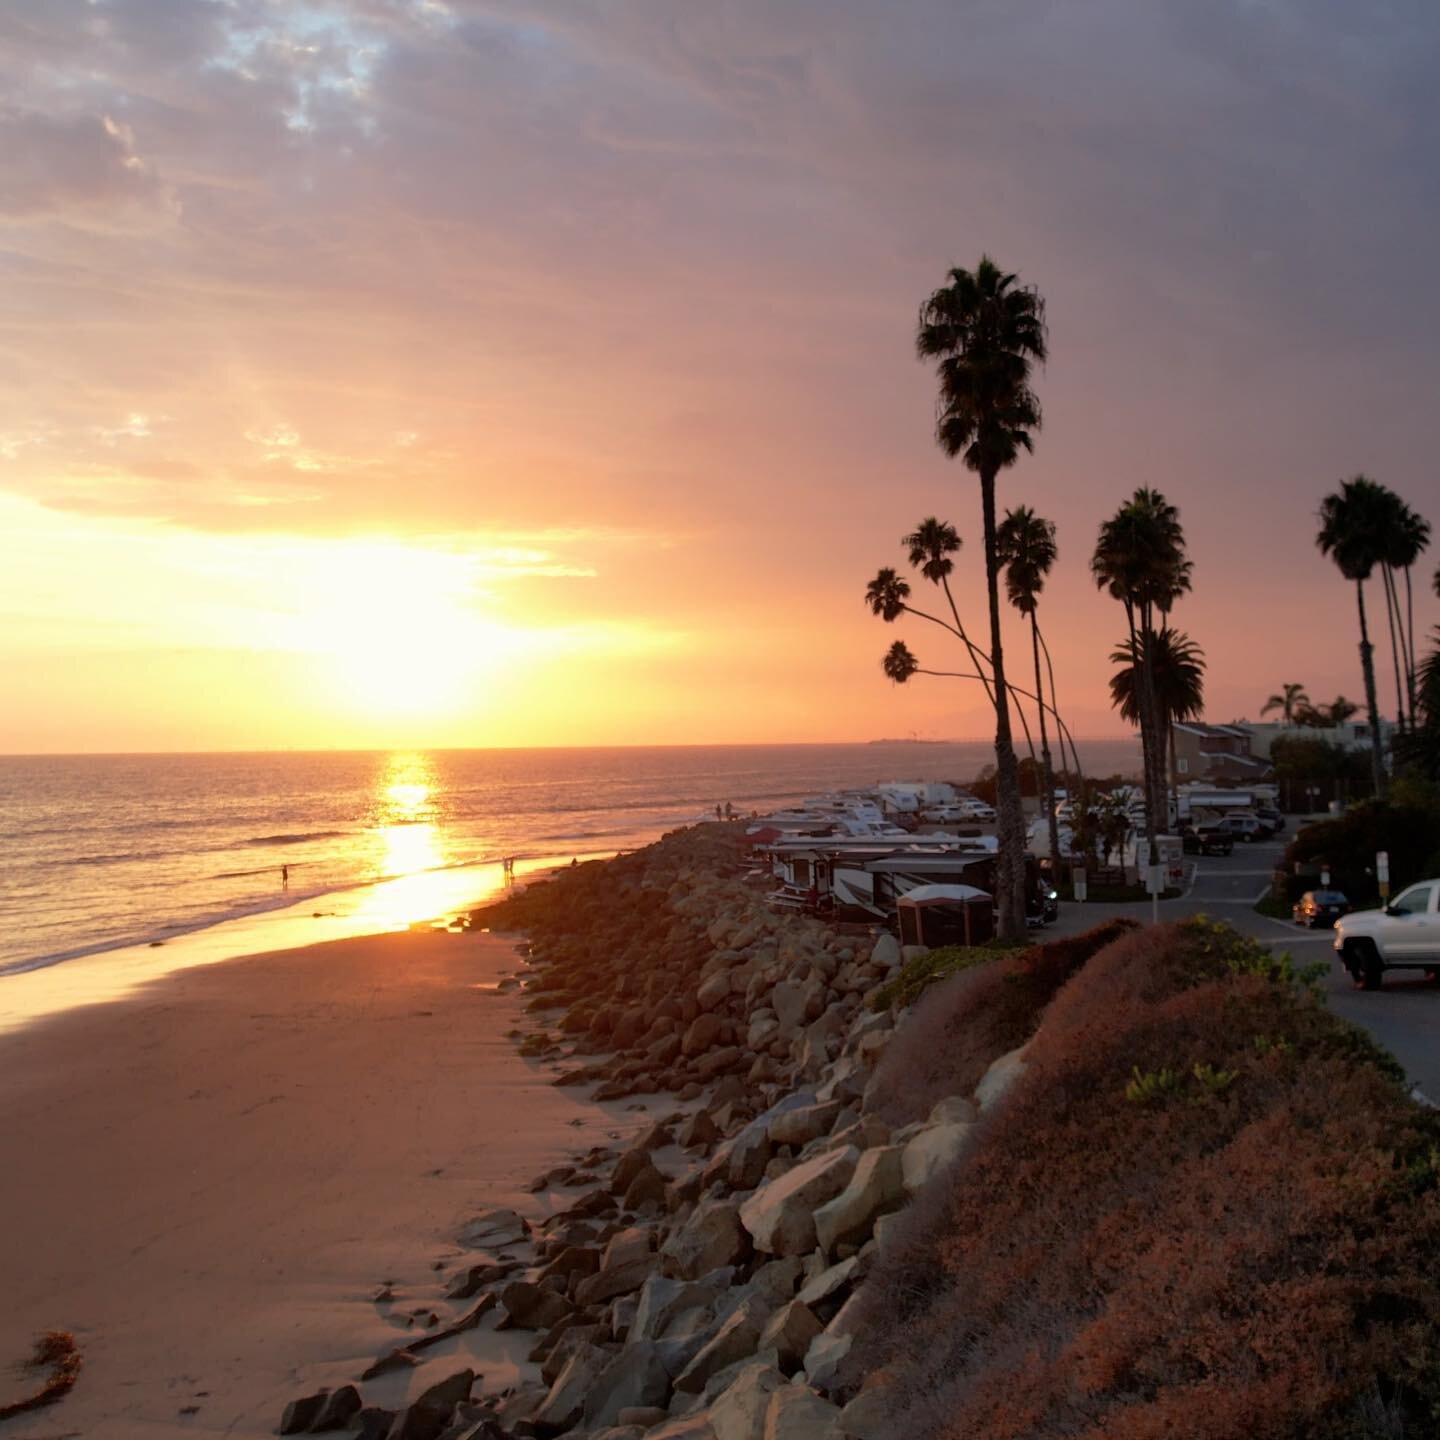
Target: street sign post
{"points": [[1157, 889], [1382, 872]]}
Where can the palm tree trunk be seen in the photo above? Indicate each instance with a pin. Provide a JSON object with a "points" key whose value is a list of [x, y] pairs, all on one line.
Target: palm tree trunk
{"points": [[1046, 773], [1060, 725], [1010, 817], [1140, 702], [1149, 725], [1367, 665], [1410, 647], [1392, 608]]}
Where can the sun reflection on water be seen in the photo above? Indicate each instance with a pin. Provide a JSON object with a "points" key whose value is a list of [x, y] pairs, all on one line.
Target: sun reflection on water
{"points": [[412, 844]]}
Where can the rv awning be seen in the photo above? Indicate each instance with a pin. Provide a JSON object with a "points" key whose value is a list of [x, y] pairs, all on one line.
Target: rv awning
{"points": [[942, 895]]}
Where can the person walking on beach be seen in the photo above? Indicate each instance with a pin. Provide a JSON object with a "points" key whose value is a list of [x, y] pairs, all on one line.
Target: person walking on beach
{"points": [[284, 877]]}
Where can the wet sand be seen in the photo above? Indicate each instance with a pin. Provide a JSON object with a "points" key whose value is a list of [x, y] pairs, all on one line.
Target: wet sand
{"points": [[208, 1181]]}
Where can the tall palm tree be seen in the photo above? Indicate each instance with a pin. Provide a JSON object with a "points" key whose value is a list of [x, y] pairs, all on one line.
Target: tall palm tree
{"points": [[1140, 560], [1027, 550], [1178, 670], [1420, 748], [1407, 538], [930, 546], [1352, 534], [1290, 700], [985, 330]]}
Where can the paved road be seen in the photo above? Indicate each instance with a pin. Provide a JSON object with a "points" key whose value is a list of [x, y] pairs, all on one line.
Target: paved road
{"points": [[1404, 1016]]}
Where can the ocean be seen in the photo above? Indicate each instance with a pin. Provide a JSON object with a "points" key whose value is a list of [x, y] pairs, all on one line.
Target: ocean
{"points": [[106, 853]]}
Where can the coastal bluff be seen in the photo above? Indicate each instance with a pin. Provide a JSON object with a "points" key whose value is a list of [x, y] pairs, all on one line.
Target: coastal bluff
{"points": [[1136, 1182]]}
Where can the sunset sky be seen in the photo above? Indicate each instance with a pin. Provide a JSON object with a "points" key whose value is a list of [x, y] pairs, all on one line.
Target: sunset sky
{"points": [[398, 372]]}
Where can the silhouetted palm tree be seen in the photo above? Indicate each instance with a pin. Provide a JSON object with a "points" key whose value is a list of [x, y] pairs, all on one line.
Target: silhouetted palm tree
{"points": [[1140, 560], [986, 330], [1421, 747], [1178, 671], [1027, 550], [930, 546], [1352, 534], [1407, 537], [1339, 711], [1290, 700]]}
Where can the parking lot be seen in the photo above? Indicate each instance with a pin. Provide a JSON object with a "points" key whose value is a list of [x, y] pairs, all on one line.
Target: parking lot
{"points": [[1404, 1016]]}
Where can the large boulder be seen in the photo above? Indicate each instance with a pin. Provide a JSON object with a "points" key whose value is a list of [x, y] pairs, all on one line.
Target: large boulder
{"points": [[877, 1186], [624, 1268], [736, 1339], [780, 1216], [930, 1151], [563, 1406], [800, 1127], [633, 1377], [695, 1425], [712, 1236], [788, 1000], [704, 1032], [868, 1415], [798, 1413], [714, 992], [739, 1412], [749, 1154], [532, 1307], [826, 1355], [997, 1080], [788, 1332], [886, 953], [492, 1229], [661, 1299], [831, 1284]]}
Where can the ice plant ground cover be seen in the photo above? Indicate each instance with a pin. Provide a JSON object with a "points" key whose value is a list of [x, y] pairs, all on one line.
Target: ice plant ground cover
{"points": [[1208, 1208]]}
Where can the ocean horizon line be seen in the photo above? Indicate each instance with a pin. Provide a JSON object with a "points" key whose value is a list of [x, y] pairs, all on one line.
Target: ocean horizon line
{"points": [[533, 749]]}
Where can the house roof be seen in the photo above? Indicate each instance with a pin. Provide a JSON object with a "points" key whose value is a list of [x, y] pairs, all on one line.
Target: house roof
{"points": [[1198, 727]]}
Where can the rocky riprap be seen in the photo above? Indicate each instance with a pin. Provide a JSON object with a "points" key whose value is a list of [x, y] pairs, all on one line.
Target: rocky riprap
{"points": [[698, 1284]]}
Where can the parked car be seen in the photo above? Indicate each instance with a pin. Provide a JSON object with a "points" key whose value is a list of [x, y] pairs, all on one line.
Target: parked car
{"points": [[1270, 818], [1319, 907], [1243, 827], [1403, 935], [1206, 840]]}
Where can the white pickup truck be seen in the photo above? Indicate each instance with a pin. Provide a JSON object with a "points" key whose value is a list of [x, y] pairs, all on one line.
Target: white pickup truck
{"points": [[1405, 935]]}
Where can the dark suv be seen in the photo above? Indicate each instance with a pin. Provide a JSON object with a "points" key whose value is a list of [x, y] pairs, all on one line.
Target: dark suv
{"points": [[1270, 818], [1206, 840]]}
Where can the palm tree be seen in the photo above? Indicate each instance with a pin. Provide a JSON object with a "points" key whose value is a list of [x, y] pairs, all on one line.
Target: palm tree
{"points": [[1408, 536], [1027, 550], [985, 330], [1178, 671], [930, 546], [1289, 702], [1352, 534], [1421, 747], [1339, 711], [1140, 560]]}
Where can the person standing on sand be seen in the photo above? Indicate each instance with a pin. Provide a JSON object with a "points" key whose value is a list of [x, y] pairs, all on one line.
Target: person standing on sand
{"points": [[284, 877]]}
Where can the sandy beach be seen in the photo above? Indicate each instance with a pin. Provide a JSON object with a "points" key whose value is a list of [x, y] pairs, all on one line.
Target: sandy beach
{"points": [[207, 1182]]}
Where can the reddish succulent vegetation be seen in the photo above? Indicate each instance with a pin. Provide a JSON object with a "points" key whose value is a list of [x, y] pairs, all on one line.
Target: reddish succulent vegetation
{"points": [[1247, 1250], [962, 1024]]}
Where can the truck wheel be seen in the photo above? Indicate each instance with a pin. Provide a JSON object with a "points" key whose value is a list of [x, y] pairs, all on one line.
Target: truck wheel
{"points": [[1362, 960]]}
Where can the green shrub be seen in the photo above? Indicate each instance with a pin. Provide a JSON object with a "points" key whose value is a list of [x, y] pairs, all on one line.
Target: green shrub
{"points": [[918, 975], [1148, 1085]]}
